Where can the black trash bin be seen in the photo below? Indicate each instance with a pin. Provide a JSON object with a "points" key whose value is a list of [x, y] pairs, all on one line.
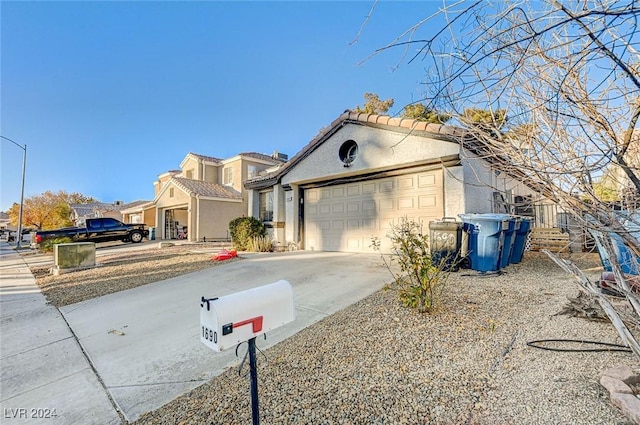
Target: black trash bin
{"points": [[445, 241]]}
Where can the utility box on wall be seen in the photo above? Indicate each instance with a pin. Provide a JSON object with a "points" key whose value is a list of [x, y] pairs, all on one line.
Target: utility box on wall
{"points": [[71, 256], [231, 319]]}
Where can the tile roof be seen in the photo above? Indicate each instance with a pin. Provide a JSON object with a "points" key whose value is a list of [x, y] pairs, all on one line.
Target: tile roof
{"points": [[263, 157], [205, 157], [382, 121], [210, 190], [134, 204]]}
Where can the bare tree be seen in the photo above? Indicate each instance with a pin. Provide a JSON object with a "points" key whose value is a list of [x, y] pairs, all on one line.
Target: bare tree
{"points": [[568, 76]]}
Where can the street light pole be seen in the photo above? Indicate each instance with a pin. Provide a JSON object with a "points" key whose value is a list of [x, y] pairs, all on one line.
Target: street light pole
{"points": [[24, 167]]}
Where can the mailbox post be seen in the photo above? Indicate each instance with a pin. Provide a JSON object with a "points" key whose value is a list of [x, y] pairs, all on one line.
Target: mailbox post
{"points": [[240, 317]]}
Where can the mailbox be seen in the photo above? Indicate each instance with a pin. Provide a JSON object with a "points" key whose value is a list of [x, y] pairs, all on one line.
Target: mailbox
{"points": [[231, 319]]}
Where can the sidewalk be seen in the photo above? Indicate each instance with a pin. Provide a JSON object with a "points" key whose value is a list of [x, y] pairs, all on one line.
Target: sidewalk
{"points": [[43, 371]]}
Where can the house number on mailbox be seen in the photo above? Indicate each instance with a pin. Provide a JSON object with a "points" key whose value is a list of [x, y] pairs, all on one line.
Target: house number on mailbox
{"points": [[210, 335]]}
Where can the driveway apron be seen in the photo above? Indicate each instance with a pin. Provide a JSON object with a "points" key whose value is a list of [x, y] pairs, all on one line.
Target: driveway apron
{"points": [[144, 342]]}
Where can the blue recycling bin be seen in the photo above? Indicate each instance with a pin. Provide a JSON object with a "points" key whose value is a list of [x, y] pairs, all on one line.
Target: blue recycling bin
{"points": [[486, 238], [152, 233], [520, 240], [509, 239], [626, 258]]}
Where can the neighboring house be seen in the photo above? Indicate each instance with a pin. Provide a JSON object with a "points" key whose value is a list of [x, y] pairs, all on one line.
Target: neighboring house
{"points": [[365, 172], [139, 212], [80, 212], [5, 225], [198, 201]]}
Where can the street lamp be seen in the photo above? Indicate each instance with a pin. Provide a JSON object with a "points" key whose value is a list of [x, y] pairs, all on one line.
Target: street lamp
{"points": [[24, 165]]}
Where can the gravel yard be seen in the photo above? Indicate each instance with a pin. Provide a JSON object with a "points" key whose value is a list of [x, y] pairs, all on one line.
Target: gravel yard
{"points": [[117, 272], [379, 363]]}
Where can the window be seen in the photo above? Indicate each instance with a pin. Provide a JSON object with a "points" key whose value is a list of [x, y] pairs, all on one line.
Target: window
{"points": [[251, 171], [266, 206], [170, 192], [227, 176], [348, 152], [190, 174]]}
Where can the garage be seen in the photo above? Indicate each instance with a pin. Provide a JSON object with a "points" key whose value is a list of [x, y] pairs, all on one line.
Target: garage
{"points": [[344, 217]]}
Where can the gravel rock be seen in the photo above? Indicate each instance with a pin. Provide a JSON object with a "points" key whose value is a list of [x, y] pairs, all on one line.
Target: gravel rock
{"points": [[379, 363]]}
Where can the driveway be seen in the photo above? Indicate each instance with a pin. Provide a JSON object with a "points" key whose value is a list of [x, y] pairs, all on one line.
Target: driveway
{"points": [[144, 342]]}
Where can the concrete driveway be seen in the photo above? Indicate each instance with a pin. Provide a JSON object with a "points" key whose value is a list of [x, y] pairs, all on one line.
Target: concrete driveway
{"points": [[144, 342]]}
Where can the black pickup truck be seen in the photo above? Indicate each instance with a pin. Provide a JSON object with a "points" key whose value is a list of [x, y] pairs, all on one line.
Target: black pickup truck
{"points": [[98, 230]]}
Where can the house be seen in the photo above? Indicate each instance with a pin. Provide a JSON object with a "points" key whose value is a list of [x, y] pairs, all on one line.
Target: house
{"points": [[139, 212], [198, 201], [80, 212], [365, 172], [5, 225]]}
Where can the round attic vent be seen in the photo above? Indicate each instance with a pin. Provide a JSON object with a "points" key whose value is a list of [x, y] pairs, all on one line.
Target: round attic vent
{"points": [[348, 152]]}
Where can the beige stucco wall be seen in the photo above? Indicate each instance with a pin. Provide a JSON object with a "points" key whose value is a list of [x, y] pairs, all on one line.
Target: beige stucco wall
{"points": [[149, 216], [191, 164], [214, 217], [237, 174], [480, 181], [377, 149]]}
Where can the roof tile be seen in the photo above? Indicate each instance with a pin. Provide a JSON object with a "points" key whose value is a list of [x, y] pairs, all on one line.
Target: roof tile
{"points": [[202, 188]]}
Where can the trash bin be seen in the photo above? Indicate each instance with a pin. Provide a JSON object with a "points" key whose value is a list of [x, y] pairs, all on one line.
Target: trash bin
{"points": [[445, 239], [509, 239], [626, 259], [152, 233], [486, 238], [520, 240]]}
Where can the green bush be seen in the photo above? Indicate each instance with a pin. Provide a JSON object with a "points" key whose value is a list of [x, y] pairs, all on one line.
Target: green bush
{"points": [[243, 230], [261, 244], [418, 281], [48, 244]]}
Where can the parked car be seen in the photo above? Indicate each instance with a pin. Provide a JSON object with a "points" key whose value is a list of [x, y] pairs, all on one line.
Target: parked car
{"points": [[98, 230]]}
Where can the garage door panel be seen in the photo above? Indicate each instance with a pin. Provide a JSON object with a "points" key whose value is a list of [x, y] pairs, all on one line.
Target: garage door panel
{"points": [[368, 188], [338, 225], [387, 204], [405, 183], [386, 186], [406, 203], [427, 180], [359, 211], [353, 190]]}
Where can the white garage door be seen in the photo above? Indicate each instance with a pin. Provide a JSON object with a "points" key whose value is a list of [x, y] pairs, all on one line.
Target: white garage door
{"points": [[344, 217]]}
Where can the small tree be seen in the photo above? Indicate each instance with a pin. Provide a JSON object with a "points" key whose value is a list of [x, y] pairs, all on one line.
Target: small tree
{"points": [[418, 281], [243, 230], [420, 112], [374, 105]]}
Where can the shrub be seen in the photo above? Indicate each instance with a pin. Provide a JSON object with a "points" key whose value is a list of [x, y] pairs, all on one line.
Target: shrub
{"points": [[261, 244], [243, 229], [48, 244], [418, 281]]}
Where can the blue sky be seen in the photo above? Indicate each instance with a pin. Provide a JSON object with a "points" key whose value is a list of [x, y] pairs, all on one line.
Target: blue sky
{"points": [[108, 95]]}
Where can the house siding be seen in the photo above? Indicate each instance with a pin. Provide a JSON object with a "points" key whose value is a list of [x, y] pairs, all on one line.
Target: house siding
{"points": [[214, 218], [377, 149]]}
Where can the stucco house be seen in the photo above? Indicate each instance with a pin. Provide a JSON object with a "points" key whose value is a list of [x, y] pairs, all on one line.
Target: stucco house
{"points": [[80, 212], [365, 172], [198, 201]]}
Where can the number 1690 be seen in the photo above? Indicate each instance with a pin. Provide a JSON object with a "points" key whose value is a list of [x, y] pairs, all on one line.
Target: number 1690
{"points": [[210, 335]]}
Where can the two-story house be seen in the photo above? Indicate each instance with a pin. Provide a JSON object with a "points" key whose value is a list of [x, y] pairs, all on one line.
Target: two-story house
{"points": [[198, 201]]}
